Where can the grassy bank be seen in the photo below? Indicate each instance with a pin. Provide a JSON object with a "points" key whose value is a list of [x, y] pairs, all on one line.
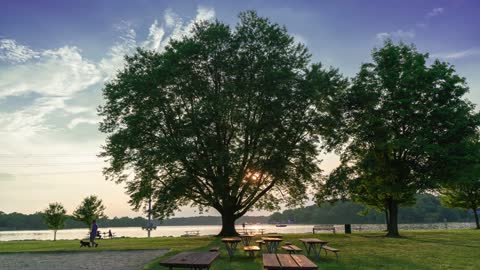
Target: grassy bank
{"points": [[452, 249]]}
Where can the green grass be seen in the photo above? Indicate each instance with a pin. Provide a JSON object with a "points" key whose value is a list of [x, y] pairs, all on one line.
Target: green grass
{"points": [[452, 249]]}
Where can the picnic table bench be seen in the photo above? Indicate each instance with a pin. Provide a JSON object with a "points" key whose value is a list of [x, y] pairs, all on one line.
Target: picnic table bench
{"points": [[251, 250], [192, 260], [287, 261], [291, 249], [334, 250], [323, 228]]}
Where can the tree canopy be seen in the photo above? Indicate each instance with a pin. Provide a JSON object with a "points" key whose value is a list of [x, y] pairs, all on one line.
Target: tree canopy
{"points": [[406, 128], [223, 118], [54, 216], [90, 209]]}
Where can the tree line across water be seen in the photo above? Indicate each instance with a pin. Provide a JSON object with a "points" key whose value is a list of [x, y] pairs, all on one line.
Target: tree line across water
{"points": [[427, 209]]}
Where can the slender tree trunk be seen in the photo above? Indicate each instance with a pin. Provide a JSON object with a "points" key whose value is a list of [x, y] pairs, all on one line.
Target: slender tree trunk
{"points": [[393, 219], [54, 235], [228, 224], [475, 213]]}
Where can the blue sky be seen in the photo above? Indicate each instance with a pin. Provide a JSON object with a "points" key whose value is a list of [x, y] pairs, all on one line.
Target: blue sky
{"points": [[56, 55]]}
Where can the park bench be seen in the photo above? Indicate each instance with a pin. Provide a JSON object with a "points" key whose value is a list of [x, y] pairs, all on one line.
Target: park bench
{"points": [[334, 250], [323, 228], [291, 249], [251, 250], [191, 233]]}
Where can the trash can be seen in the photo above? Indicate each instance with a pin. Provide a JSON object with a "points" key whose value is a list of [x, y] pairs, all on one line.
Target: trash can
{"points": [[348, 228]]}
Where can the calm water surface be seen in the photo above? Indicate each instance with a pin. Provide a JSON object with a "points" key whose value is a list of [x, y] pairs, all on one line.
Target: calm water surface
{"points": [[211, 230]]}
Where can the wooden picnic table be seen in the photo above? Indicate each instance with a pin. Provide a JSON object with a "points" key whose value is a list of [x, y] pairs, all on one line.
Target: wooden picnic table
{"points": [[271, 244], [287, 262], [313, 244], [192, 260], [231, 245], [246, 239]]}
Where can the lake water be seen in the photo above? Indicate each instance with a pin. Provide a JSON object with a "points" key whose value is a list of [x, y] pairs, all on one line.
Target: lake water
{"points": [[166, 231]]}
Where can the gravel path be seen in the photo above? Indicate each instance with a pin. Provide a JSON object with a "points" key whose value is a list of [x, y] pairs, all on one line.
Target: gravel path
{"points": [[105, 260]]}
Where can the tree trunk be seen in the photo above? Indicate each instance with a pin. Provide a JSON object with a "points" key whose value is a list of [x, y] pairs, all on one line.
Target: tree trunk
{"points": [[387, 220], [54, 235], [228, 224], [392, 226], [475, 213]]}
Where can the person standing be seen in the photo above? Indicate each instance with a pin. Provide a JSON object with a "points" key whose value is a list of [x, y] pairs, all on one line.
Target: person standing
{"points": [[93, 234]]}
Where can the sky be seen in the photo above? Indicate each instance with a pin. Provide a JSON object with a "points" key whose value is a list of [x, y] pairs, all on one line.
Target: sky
{"points": [[55, 57]]}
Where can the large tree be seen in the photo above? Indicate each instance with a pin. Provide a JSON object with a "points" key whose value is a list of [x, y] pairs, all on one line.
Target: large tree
{"points": [[90, 209], [406, 127], [54, 216], [223, 119]]}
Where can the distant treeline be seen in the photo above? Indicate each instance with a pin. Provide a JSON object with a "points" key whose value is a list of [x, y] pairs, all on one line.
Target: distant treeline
{"points": [[18, 221], [427, 209]]}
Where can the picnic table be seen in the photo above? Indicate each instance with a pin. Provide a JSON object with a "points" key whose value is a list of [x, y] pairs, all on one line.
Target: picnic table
{"points": [[231, 245], [246, 239], [313, 244], [287, 261], [192, 260], [271, 244]]}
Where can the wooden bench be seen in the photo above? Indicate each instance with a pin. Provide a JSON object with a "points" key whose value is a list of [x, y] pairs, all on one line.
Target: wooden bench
{"points": [[287, 261], [260, 243], [191, 233], [334, 250], [323, 228], [291, 249], [214, 249], [251, 250]]}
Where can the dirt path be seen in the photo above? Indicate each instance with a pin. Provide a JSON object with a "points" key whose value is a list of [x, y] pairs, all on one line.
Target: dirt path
{"points": [[106, 260]]}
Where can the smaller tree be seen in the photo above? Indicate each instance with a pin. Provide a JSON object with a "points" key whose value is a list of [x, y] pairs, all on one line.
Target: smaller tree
{"points": [[90, 209], [54, 216], [464, 196]]}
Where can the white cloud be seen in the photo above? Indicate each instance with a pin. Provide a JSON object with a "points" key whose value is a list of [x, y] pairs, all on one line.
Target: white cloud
{"points": [[155, 36], [383, 35], [399, 34], [299, 38], [12, 52], [58, 74], [458, 54], [435, 12], [29, 121], [82, 120]]}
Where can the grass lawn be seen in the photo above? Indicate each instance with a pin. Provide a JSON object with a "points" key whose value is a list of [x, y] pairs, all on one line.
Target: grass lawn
{"points": [[452, 249]]}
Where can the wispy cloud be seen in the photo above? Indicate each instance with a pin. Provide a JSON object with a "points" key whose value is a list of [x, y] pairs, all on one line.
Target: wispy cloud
{"points": [[458, 54], [58, 75], [399, 34], [435, 12], [12, 52]]}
